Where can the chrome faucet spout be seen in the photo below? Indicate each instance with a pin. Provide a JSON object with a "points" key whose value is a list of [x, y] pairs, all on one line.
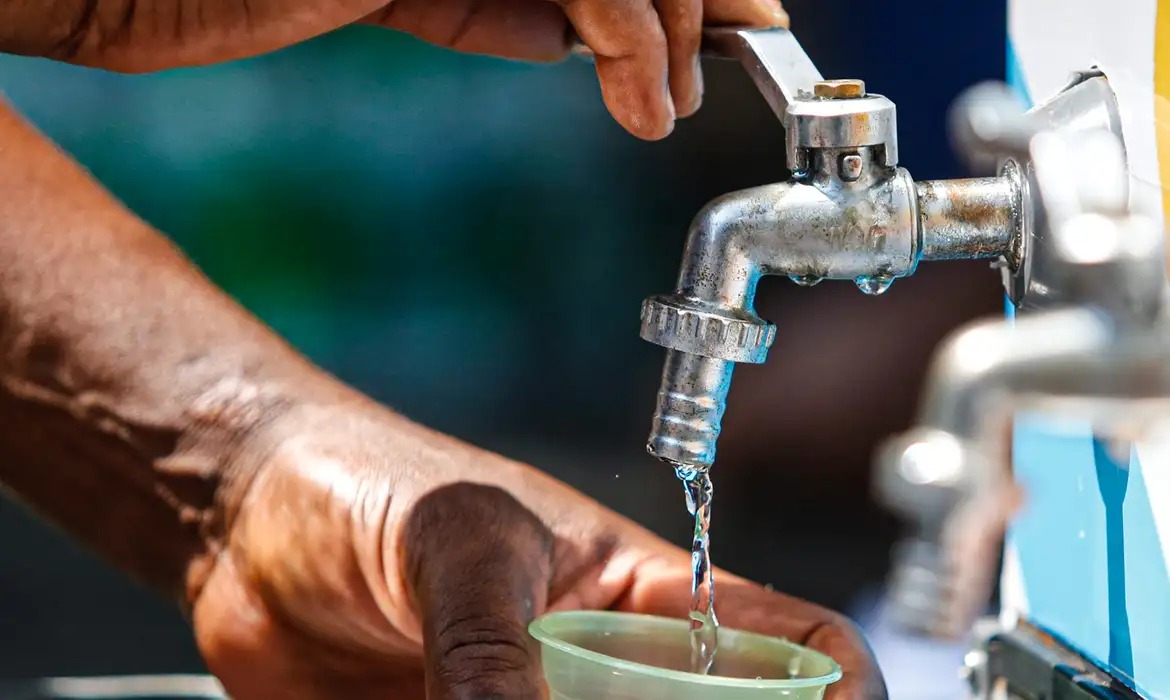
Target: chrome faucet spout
{"points": [[847, 213], [1098, 352], [977, 364], [948, 476], [871, 230]]}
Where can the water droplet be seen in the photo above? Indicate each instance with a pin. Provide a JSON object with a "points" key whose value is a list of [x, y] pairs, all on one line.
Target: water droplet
{"points": [[805, 280], [874, 285], [769, 587]]}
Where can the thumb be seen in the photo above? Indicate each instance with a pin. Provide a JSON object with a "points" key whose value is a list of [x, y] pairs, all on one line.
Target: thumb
{"points": [[478, 564]]}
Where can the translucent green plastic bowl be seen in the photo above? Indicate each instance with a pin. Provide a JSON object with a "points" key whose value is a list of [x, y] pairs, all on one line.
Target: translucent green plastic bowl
{"points": [[622, 656]]}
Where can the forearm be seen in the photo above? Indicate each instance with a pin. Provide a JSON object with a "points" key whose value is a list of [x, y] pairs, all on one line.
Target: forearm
{"points": [[147, 35], [130, 388]]}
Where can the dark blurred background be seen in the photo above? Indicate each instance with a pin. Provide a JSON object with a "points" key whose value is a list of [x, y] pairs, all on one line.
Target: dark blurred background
{"points": [[469, 240]]}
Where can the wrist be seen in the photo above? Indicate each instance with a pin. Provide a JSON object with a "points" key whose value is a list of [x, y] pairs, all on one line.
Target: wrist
{"points": [[239, 428]]}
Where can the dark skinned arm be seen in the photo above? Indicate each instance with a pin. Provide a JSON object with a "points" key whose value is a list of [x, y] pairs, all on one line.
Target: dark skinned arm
{"points": [[129, 386]]}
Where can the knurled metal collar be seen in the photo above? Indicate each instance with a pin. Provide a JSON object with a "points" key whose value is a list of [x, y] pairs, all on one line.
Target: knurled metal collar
{"points": [[682, 324]]}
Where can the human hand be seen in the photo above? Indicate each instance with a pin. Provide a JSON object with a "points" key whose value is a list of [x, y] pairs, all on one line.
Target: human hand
{"points": [[646, 50], [367, 557]]}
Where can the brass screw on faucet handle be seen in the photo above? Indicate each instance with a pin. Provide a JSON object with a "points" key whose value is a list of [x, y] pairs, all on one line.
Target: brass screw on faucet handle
{"points": [[839, 89]]}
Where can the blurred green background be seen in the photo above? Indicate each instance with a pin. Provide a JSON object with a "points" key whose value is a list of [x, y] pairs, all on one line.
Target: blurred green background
{"points": [[469, 239]]}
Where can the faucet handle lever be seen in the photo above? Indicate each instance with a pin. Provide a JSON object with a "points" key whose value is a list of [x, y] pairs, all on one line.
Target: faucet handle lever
{"points": [[774, 60]]}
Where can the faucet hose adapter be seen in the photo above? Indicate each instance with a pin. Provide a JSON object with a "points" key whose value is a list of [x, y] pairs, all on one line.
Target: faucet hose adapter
{"points": [[690, 409]]}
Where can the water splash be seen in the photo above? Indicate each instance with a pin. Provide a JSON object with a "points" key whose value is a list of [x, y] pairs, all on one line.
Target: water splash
{"points": [[704, 623], [874, 285]]}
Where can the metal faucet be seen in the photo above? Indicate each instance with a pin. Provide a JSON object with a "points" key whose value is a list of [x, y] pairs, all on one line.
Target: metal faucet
{"points": [[1100, 353], [847, 213]]}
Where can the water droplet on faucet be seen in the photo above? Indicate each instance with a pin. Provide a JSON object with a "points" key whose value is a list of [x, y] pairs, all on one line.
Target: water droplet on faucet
{"points": [[805, 280], [874, 285]]}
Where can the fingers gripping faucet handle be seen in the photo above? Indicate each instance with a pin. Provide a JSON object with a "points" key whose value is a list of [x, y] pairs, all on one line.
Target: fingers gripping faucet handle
{"points": [[836, 117], [772, 57]]}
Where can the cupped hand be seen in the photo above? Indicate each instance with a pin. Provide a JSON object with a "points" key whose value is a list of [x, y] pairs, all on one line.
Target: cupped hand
{"points": [[370, 558], [646, 50]]}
